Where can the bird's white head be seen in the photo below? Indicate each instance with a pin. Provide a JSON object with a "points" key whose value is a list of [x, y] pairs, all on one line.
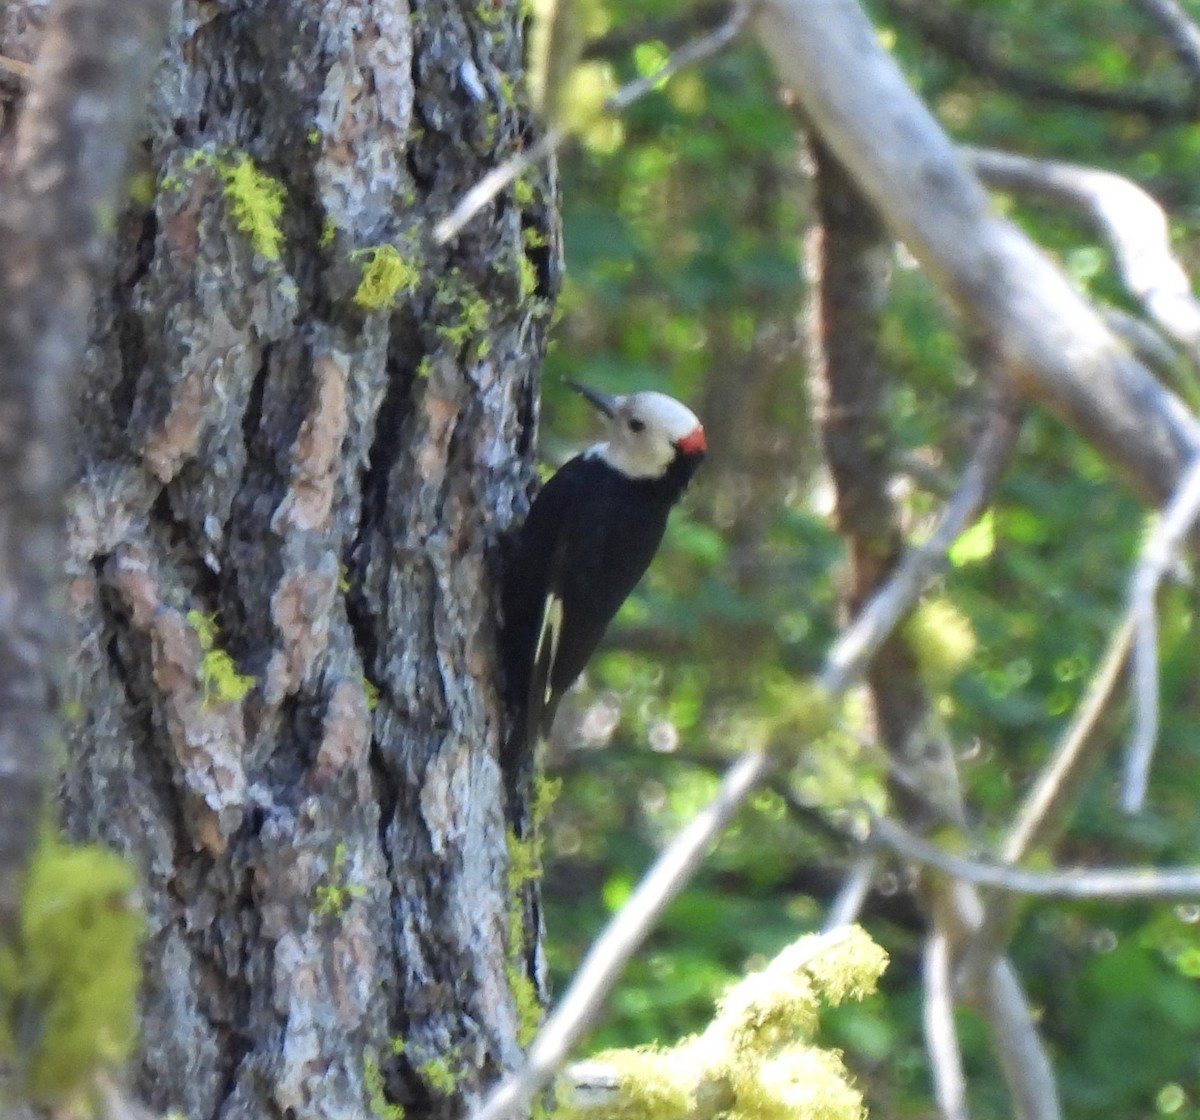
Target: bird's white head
{"points": [[646, 431]]}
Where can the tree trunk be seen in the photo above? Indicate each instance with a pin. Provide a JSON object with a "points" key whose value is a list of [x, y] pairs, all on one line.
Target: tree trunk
{"points": [[299, 454]]}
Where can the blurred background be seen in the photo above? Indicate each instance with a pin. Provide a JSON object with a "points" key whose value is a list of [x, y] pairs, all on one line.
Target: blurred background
{"points": [[685, 224]]}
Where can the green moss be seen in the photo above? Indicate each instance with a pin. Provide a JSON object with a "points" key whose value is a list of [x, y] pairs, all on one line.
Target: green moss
{"points": [[371, 692], [385, 275], [219, 673], [256, 202], [526, 276], [377, 1100], [332, 897], [71, 982], [525, 865], [757, 1060], [328, 232], [523, 193], [439, 1075], [467, 312], [255, 198]]}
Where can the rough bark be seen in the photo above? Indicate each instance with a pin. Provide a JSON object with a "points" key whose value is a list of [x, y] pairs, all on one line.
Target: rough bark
{"points": [[280, 483], [63, 172]]}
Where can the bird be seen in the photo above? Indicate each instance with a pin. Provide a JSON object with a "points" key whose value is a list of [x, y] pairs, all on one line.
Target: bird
{"points": [[588, 539]]}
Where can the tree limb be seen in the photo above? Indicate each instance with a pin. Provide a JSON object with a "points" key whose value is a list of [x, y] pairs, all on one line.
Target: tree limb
{"points": [[941, 1039], [1110, 883], [1132, 223], [1049, 342], [1157, 556]]}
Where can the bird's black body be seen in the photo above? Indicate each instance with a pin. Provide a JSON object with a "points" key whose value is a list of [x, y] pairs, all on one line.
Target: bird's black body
{"points": [[589, 538]]}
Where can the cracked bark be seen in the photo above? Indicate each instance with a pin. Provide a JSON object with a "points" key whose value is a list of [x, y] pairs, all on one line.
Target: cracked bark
{"points": [[323, 858]]}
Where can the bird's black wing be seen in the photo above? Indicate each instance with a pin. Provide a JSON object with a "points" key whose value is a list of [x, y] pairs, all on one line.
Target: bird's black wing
{"points": [[532, 587]]}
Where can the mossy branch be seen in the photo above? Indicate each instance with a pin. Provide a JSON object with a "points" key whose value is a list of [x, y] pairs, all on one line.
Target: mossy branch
{"points": [[756, 1060]]}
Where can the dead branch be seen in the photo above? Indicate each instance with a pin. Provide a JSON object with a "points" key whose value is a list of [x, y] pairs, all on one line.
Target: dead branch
{"points": [[1125, 215], [1052, 345]]}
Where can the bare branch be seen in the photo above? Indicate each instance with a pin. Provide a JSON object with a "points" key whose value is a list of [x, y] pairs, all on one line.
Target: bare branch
{"points": [[1060, 780], [1133, 224], [1113, 884], [1049, 341], [1158, 554], [503, 176], [1183, 33], [1026, 1066], [941, 1039], [849, 901]]}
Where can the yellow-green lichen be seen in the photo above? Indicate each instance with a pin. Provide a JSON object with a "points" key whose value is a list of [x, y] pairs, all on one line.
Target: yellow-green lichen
{"points": [[439, 1075], [385, 274], [255, 198], [524, 866], [332, 897], [219, 675], [377, 1101], [757, 1060], [68, 988], [943, 641], [370, 693], [256, 203], [328, 232]]}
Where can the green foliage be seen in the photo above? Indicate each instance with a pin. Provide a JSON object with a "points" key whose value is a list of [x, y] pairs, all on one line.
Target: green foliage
{"points": [[68, 989], [219, 672]]}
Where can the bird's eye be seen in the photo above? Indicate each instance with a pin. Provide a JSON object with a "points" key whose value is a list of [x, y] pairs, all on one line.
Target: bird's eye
{"points": [[636, 425]]}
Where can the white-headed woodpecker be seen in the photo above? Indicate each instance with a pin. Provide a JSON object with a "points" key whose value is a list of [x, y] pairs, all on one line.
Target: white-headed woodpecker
{"points": [[590, 535]]}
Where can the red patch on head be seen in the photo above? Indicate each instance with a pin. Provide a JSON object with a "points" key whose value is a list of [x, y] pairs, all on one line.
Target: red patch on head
{"points": [[693, 443]]}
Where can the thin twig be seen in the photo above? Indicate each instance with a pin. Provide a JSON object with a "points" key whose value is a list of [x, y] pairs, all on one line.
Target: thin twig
{"points": [[1058, 782], [479, 195], [1026, 1065], [846, 906], [1157, 556], [1110, 883], [1043, 812], [941, 1039]]}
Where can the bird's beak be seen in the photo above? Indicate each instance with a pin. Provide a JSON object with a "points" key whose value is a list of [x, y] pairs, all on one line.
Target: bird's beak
{"points": [[602, 401]]}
